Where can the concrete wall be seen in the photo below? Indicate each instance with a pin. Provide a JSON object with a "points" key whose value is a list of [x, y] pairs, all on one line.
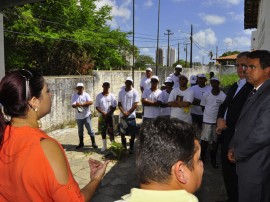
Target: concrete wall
{"points": [[62, 89], [262, 37]]}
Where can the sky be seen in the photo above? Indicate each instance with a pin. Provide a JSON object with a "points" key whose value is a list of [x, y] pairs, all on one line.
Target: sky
{"points": [[217, 25]]}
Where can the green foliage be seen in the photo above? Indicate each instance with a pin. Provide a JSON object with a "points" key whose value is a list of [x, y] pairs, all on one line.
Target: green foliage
{"points": [[117, 149], [143, 60], [181, 62], [227, 80], [63, 37], [230, 53]]}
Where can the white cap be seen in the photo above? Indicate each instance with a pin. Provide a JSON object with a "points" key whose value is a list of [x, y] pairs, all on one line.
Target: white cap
{"points": [[193, 79], [129, 79], [80, 85], [214, 79], [154, 78], [201, 76], [179, 66], [168, 80], [149, 69], [182, 75]]}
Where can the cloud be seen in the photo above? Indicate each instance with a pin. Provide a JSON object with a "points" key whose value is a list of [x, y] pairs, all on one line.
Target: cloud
{"points": [[236, 17], [222, 2], [148, 3], [121, 11], [212, 19], [205, 37], [236, 42]]}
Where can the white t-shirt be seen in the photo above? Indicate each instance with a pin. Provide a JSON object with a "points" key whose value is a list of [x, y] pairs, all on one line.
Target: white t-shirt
{"points": [[127, 99], [105, 102], [145, 83], [84, 97], [164, 96], [175, 80], [211, 104], [181, 113], [198, 93], [151, 111]]}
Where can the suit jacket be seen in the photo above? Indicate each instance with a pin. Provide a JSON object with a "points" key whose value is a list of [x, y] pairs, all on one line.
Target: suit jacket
{"points": [[234, 104], [251, 140]]}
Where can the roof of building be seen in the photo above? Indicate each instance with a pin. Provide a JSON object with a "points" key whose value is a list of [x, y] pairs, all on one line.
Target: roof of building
{"points": [[251, 13], [228, 57]]}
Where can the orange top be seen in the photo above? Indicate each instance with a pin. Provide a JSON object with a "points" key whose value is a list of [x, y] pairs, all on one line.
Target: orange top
{"points": [[25, 172]]}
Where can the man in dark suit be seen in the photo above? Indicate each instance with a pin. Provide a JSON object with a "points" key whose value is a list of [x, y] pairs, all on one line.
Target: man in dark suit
{"points": [[228, 114], [250, 146]]}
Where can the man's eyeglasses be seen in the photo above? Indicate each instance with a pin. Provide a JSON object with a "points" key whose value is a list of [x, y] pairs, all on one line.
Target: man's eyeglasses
{"points": [[27, 75]]}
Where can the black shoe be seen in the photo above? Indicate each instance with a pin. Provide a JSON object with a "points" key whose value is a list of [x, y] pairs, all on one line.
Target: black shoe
{"points": [[94, 146], [131, 151], [81, 145]]}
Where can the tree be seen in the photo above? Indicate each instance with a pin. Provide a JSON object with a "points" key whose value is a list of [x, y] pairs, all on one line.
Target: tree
{"points": [[181, 62], [143, 60], [63, 37], [230, 53]]}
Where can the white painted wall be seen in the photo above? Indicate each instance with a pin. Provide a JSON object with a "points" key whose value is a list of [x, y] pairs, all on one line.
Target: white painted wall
{"points": [[62, 89], [263, 28]]}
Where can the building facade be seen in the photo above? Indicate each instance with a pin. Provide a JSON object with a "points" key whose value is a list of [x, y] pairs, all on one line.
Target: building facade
{"points": [[257, 16]]}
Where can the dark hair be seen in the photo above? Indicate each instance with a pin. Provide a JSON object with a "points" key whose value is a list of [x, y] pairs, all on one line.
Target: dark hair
{"points": [[262, 55], [14, 97], [163, 142], [243, 54]]}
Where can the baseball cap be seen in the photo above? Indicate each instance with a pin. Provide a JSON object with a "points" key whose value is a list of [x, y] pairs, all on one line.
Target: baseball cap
{"points": [[201, 76], [149, 69], [80, 85], [154, 78], [214, 79], [193, 79], [168, 80], [179, 66], [129, 79]]}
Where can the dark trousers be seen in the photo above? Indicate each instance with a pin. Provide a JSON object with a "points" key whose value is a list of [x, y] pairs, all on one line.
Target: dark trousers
{"points": [[228, 169], [251, 192], [197, 120]]}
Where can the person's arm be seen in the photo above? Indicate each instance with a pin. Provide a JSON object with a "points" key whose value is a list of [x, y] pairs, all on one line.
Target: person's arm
{"points": [[196, 102], [142, 89], [258, 136], [59, 165], [103, 113], [147, 102], [122, 110]]}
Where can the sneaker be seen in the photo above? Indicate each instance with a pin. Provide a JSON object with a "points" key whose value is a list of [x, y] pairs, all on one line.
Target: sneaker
{"points": [[103, 149]]}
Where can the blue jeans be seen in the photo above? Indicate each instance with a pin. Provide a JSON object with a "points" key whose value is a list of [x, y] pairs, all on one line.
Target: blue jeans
{"points": [[88, 125]]}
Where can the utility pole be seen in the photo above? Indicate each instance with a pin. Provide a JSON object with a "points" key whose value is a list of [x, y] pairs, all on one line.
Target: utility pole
{"points": [[157, 53], [178, 52], [133, 30], [186, 55], [168, 52], [191, 41]]}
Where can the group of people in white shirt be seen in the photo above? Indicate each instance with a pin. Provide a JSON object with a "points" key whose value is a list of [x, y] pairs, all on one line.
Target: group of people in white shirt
{"points": [[197, 105]]}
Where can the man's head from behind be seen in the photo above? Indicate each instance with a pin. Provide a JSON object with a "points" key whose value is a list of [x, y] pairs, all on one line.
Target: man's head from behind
{"points": [[168, 156]]}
